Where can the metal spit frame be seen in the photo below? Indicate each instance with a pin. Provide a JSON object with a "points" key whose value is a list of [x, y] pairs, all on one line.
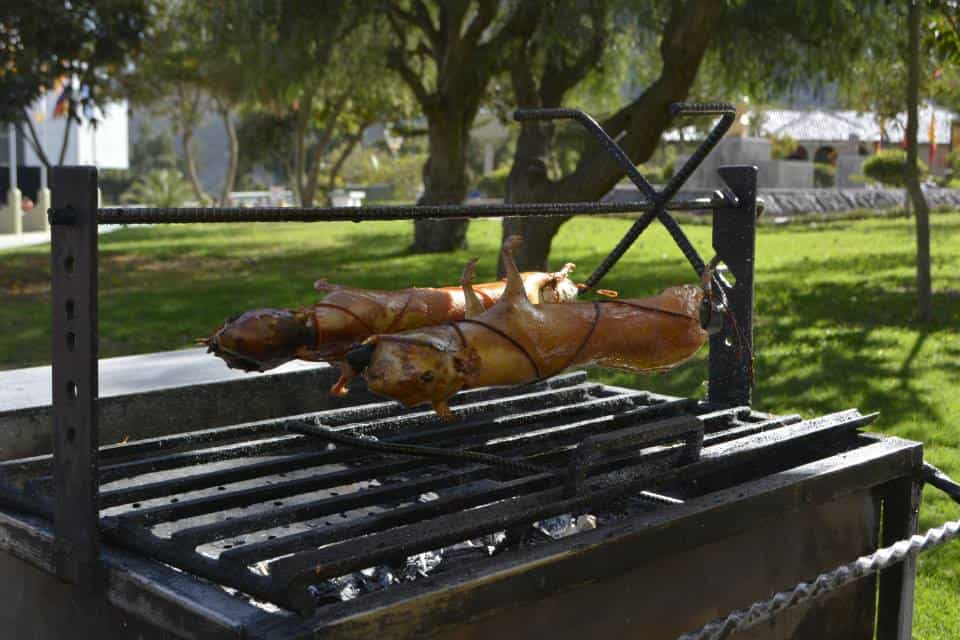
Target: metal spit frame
{"points": [[74, 219]]}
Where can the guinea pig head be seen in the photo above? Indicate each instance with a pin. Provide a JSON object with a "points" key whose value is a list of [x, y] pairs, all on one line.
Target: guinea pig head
{"points": [[261, 339], [418, 367]]}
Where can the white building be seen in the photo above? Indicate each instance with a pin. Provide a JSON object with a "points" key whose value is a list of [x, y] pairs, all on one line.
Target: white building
{"points": [[105, 146]]}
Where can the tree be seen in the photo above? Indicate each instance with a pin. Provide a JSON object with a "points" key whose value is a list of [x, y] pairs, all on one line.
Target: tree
{"points": [[447, 52], [194, 63], [749, 44], [566, 47], [920, 208], [80, 43]]}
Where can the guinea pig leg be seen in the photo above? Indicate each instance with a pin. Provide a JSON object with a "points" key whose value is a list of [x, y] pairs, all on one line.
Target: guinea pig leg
{"points": [[474, 306]]}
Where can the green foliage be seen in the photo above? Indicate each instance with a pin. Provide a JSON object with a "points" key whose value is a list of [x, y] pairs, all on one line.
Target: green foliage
{"points": [[889, 167], [824, 175], [42, 41], [494, 184], [159, 188], [953, 161], [782, 147], [660, 168], [373, 166], [151, 150], [764, 47]]}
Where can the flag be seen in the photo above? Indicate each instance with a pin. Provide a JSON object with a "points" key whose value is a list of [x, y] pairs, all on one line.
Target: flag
{"points": [[62, 106], [932, 133]]}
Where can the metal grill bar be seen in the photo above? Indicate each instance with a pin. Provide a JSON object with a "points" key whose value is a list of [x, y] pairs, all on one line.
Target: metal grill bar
{"points": [[333, 417], [209, 504], [308, 567], [176, 485], [165, 215], [380, 427], [188, 508], [256, 551]]}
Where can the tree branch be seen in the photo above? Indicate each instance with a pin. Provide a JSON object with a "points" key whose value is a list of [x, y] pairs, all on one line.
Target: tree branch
{"points": [[397, 61], [486, 12], [419, 18], [559, 78], [688, 33], [520, 25], [34, 140]]}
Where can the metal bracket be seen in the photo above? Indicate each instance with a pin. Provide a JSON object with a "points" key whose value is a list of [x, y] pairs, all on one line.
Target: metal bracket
{"points": [[73, 267], [734, 240], [687, 428], [661, 198]]}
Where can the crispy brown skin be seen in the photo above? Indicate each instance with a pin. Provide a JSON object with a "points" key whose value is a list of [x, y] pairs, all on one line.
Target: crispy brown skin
{"points": [[515, 342], [262, 339]]}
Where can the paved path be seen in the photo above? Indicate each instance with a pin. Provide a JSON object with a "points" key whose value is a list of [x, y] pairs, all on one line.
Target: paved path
{"points": [[11, 241]]}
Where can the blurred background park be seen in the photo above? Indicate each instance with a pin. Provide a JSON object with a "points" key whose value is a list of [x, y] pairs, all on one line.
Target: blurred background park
{"points": [[849, 108]]}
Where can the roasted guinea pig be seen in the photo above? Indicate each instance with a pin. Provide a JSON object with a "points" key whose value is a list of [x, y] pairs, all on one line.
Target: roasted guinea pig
{"points": [[516, 342], [262, 339]]}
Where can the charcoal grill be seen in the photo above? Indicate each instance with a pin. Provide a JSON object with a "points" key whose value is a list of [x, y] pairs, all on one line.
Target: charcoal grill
{"points": [[611, 510]]}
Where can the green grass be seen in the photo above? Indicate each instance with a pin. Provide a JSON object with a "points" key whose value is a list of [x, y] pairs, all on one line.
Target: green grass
{"points": [[834, 328]]}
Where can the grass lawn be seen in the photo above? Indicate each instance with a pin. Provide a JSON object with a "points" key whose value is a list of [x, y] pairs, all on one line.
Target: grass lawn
{"points": [[834, 329]]}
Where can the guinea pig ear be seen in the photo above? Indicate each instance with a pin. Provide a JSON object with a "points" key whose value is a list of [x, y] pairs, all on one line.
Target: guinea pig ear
{"points": [[467, 363]]}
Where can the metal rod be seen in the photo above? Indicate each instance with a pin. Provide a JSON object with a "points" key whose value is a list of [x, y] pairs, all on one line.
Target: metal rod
{"points": [[658, 198], [307, 568], [166, 215]]}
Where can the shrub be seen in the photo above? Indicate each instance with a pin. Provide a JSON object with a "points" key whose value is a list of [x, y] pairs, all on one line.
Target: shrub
{"points": [[494, 184], [159, 188], [953, 161], [887, 167], [824, 174], [781, 147]]}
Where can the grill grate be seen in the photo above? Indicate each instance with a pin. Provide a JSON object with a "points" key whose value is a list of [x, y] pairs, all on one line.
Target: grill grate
{"points": [[258, 508]]}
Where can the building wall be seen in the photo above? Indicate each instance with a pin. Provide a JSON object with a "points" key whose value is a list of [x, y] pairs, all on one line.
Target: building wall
{"points": [[106, 146]]}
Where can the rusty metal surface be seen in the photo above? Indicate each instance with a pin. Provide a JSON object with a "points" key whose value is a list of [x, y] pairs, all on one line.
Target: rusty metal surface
{"points": [[73, 258], [665, 572], [734, 239]]}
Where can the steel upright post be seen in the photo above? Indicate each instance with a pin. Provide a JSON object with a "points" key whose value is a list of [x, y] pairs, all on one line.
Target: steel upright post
{"points": [[73, 252], [734, 240]]}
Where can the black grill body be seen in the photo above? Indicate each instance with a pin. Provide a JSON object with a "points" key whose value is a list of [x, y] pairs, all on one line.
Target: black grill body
{"points": [[769, 500], [235, 524]]}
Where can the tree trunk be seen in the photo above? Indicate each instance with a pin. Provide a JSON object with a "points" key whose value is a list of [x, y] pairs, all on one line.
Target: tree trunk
{"points": [[189, 158], [445, 182], [300, 149], [638, 127], [528, 182], [233, 154], [34, 140], [920, 208], [351, 144]]}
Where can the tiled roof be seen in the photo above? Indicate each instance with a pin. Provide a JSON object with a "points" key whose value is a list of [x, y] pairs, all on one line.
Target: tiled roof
{"points": [[841, 125]]}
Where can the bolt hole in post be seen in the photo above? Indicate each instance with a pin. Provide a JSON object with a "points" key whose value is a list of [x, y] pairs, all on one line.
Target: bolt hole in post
{"points": [[69, 263], [71, 340], [71, 435], [73, 391], [727, 342], [71, 308]]}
